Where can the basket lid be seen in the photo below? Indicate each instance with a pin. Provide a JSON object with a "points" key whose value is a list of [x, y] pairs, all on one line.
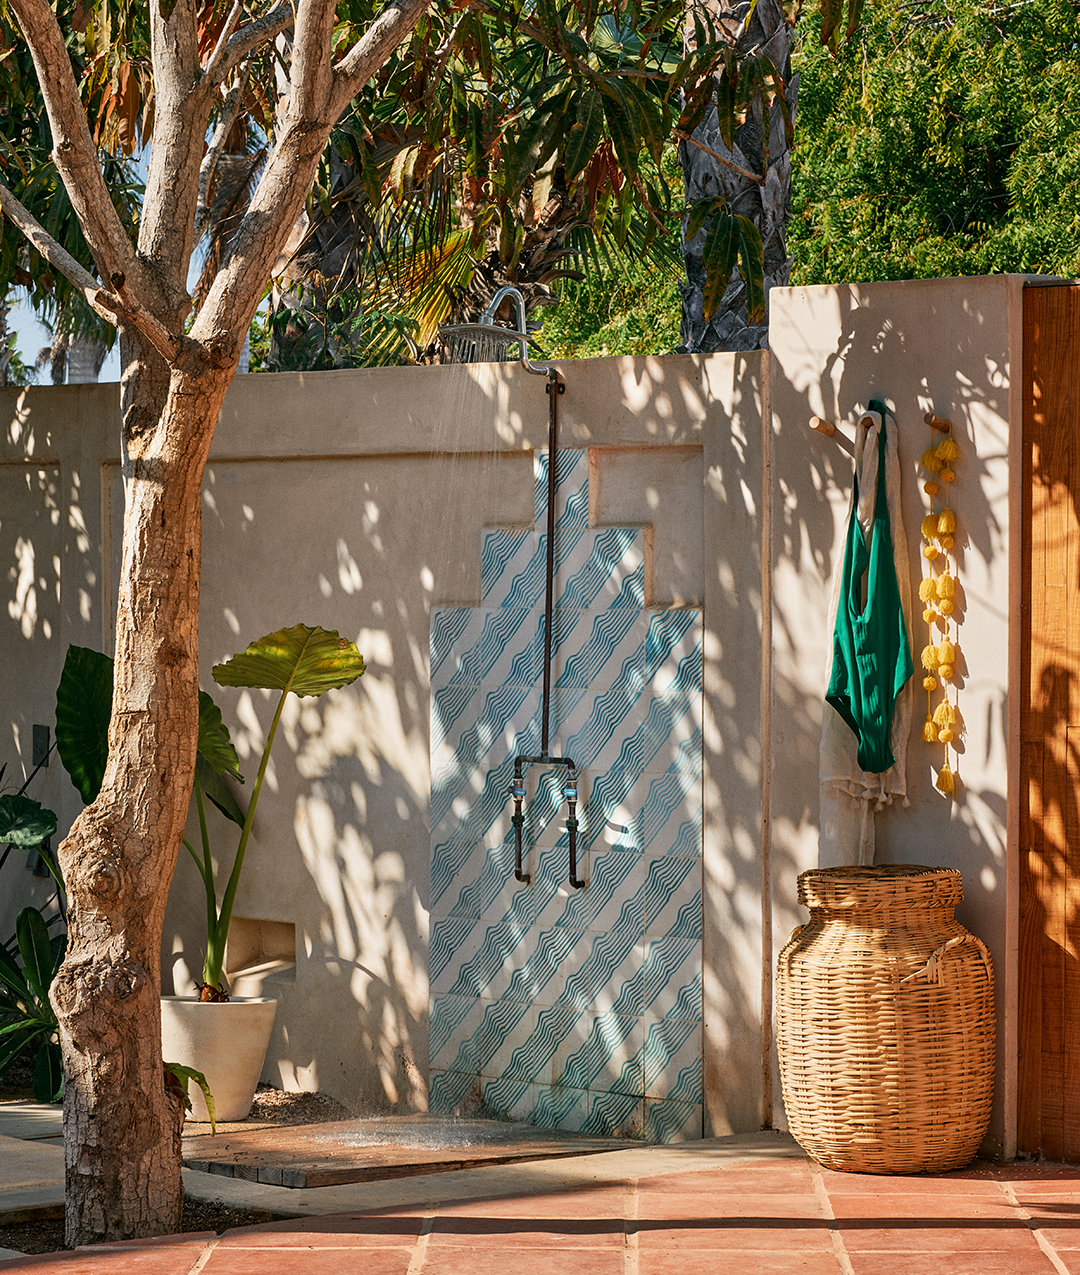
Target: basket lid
{"points": [[888, 885]]}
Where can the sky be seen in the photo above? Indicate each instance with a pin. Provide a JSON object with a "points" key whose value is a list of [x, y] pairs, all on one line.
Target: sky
{"points": [[30, 336]]}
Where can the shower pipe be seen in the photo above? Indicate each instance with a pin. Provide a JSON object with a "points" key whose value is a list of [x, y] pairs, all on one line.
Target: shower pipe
{"points": [[467, 343]]}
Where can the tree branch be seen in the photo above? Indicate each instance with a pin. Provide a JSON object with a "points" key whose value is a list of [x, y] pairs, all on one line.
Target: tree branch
{"points": [[373, 48], [247, 40], [73, 148], [743, 172], [223, 39], [110, 306], [230, 110]]}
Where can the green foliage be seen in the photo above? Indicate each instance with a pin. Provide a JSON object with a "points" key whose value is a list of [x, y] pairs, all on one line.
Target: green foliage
{"points": [[28, 965], [940, 142], [624, 309], [83, 709], [177, 1078], [24, 823], [308, 662]]}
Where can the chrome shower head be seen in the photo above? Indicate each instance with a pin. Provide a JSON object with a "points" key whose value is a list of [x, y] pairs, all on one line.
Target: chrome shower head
{"points": [[488, 341]]}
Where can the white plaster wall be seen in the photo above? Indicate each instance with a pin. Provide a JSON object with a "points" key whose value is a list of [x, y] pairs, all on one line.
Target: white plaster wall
{"points": [[355, 500], [952, 346]]}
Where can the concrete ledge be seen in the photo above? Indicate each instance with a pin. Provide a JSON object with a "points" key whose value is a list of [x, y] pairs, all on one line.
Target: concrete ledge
{"points": [[494, 1180]]}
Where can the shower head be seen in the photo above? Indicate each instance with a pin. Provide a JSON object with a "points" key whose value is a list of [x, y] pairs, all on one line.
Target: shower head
{"points": [[488, 341]]}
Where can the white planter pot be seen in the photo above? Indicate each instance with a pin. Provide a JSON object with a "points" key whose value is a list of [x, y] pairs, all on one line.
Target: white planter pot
{"points": [[226, 1041]]}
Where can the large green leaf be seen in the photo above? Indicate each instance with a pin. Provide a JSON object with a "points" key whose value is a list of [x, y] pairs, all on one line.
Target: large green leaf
{"points": [[215, 745], [83, 709], [49, 1073], [306, 661], [24, 823], [12, 979], [583, 136], [36, 952], [218, 791]]}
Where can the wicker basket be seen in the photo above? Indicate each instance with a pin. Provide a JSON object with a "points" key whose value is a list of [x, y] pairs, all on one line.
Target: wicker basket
{"points": [[885, 1022]]}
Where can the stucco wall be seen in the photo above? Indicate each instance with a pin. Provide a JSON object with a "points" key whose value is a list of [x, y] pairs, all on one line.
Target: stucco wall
{"points": [[951, 346], [356, 501]]}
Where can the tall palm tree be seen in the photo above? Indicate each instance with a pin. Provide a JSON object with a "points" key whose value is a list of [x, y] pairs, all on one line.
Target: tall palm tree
{"points": [[752, 174]]}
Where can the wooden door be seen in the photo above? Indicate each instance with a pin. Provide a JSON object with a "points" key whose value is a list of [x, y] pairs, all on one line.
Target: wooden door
{"points": [[1049, 1025]]}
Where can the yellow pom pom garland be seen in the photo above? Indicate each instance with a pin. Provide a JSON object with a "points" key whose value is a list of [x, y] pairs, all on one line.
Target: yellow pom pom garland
{"points": [[938, 595]]}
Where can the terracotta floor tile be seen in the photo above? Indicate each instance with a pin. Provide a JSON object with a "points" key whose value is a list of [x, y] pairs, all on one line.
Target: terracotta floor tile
{"points": [[935, 1263], [688, 1261], [161, 1259], [899, 1184], [598, 1202], [511, 1261], [307, 1261], [783, 1177], [1070, 1259], [762, 1236], [338, 1231], [945, 1235], [963, 1209], [495, 1232], [1061, 1237], [728, 1206]]}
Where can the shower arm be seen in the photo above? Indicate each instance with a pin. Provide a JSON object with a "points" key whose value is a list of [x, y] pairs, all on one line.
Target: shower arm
{"points": [[554, 387]]}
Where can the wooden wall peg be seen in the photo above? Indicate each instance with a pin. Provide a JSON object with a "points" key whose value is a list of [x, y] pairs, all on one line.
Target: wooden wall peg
{"points": [[822, 426], [937, 422]]}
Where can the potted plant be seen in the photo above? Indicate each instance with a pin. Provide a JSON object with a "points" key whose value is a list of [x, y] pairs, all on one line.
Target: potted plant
{"points": [[225, 1039]]}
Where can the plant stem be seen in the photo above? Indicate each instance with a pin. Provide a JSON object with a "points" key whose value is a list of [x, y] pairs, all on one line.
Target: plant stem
{"points": [[225, 915]]}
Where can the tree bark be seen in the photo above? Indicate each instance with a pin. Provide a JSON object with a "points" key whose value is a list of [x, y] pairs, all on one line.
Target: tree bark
{"points": [[122, 1129], [761, 150]]}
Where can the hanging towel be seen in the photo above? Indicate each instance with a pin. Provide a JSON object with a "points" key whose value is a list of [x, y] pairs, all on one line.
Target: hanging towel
{"points": [[867, 716]]}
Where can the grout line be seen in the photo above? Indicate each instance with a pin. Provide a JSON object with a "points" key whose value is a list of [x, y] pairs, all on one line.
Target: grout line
{"points": [[419, 1253], [203, 1257], [825, 1205], [1040, 1238], [630, 1239]]}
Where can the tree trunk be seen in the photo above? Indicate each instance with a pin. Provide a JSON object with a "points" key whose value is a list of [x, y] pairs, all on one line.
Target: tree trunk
{"points": [[121, 1128], [759, 150]]}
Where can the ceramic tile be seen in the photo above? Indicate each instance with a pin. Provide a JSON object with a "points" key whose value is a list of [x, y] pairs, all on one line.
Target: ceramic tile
{"points": [[672, 973], [614, 1115], [604, 569], [453, 1093], [454, 1033], [673, 651], [454, 710], [511, 568], [512, 645], [669, 1122], [455, 639], [611, 902], [454, 942], [594, 732], [671, 1060], [608, 976], [671, 897], [600, 651], [602, 1052], [495, 963], [505, 1048]]}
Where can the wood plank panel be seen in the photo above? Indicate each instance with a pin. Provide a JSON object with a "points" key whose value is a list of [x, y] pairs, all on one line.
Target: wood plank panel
{"points": [[1049, 975]]}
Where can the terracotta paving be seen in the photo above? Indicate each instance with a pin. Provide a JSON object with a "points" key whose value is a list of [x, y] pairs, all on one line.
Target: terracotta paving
{"points": [[783, 1216]]}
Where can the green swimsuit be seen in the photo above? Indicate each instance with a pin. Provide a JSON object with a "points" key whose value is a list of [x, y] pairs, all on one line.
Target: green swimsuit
{"points": [[871, 652]]}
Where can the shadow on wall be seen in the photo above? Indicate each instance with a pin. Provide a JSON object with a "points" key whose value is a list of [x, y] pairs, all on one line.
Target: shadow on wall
{"points": [[940, 345], [361, 545]]}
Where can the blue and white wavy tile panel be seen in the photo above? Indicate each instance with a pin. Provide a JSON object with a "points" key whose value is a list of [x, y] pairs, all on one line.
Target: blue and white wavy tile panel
{"points": [[574, 1009]]}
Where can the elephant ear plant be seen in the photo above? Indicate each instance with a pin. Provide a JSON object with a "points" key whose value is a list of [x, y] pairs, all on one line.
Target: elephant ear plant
{"points": [[300, 660]]}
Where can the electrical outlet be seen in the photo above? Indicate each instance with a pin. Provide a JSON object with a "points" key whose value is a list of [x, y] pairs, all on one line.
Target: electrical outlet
{"points": [[40, 746]]}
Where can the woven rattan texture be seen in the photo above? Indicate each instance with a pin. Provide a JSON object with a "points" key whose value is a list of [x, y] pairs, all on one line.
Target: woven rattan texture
{"points": [[885, 1022]]}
